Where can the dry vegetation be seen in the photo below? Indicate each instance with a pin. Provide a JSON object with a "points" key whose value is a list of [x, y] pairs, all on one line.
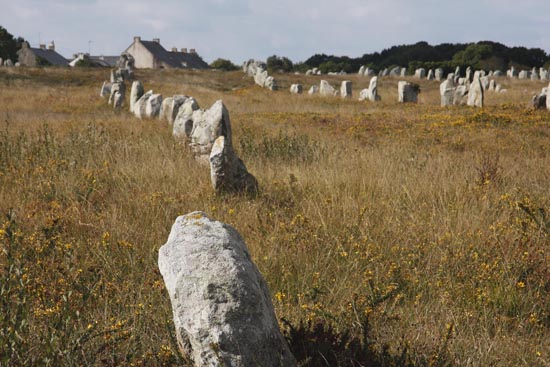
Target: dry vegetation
{"points": [[390, 235]]}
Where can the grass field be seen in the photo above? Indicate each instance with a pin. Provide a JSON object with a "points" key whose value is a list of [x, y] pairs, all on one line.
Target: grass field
{"points": [[389, 235]]}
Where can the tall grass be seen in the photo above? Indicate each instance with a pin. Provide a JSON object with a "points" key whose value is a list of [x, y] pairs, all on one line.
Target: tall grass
{"points": [[388, 234]]}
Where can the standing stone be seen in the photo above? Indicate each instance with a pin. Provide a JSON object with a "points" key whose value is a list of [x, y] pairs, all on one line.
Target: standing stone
{"points": [[439, 74], [183, 122], [371, 93], [361, 70], [461, 92], [296, 89], [420, 73], [475, 94], [325, 89], [165, 112], [447, 91], [105, 90], [118, 95], [221, 305], [407, 92], [430, 75], [112, 77], [457, 71], [396, 71], [497, 74], [484, 82], [251, 67], [468, 74], [498, 88], [524, 74], [369, 72], [208, 125], [227, 171], [141, 104], [345, 89], [403, 72], [8, 63], [451, 76], [313, 90], [135, 93], [492, 85], [544, 75], [534, 75], [152, 106]]}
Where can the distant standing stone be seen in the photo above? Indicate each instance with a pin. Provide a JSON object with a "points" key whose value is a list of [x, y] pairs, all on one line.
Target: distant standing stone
{"points": [[296, 89], [313, 90], [345, 89], [420, 73], [407, 92], [221, 305], [135, 93], [183, 122], [152, 107], [447, 91], [439, 74], [475, 94], [325, 89]]}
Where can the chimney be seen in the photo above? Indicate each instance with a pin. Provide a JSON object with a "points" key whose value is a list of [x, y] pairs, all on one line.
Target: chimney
{"points": [[192, 51], [51, 46], [184, 50], [137, 38], [157, 40], [42, 46], [174, 49]]}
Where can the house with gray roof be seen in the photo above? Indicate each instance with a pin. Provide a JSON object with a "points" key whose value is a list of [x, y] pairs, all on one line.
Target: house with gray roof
{"points": [[41, 56], [151, 55]]}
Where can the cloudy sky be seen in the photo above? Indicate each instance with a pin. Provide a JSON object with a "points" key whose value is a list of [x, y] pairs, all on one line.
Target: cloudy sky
{"points": [[242, 29]]}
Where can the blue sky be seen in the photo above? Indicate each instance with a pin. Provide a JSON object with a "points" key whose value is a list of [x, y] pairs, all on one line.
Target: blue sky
{"points": [[243, 29]]}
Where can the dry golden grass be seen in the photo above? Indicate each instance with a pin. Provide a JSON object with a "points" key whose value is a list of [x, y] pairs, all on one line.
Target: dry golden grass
{"points": [[425, 228]]}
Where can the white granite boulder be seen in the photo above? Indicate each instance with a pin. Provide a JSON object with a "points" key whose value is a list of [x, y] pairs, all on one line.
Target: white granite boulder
{"points": [[313, 90], [420, 73], [208, 125], [296, 89], [135, 93], [345, 89], [221, 305], [170, 108], [251, 67], [152, 106], [407, 92], [325, 89], [118, 92], [371, 93], [475, 94], [227, 171], [141, 104], [439, 74], [447, 91], [183, 123]]}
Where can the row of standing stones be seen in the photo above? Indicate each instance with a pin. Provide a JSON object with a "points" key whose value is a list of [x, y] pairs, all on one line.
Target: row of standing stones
{"points": [[454, 90], [222, 309], [206, 132]]}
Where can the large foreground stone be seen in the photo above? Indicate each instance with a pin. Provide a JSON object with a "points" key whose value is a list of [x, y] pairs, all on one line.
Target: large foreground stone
{"points": [[227, 171], [183, 123], [221, 305]]}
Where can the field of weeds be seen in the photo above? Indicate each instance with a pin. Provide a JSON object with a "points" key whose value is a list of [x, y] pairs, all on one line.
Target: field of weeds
{"points": [[389, 235]]}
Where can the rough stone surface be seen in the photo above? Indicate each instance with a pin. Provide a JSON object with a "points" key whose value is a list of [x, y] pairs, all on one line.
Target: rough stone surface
{"points": [[461, 92], [296, 89], [227, 171], [221, 305], [325, 89], [407, 92], [345, 89], [498, 74], [447, 92], [524, 74], [439, 74], [539, 101], [492, 85], [361, 70], [164, 109], [183, 123], [140, 105], [135, 93], [371, 93], [105, 89], [396, 71], [313, 90], [152, 106], [251, 67], [420, 73], [118, 91], [208, 125], [485, 82], [475, 94], [431, 75]]}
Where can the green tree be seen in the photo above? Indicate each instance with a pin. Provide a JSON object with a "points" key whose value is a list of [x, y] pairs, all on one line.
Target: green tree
{"points": [[276, 63], [223, 64], [9, 45], [473, 55]]}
